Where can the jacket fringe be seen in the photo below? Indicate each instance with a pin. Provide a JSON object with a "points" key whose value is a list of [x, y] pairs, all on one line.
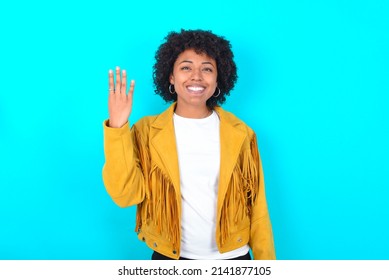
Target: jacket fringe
{"points": [[164, 212], [144, 163], [242, 190], [161, 203]]}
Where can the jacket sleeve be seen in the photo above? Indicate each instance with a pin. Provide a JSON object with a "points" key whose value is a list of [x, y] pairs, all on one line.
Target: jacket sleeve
{"points": [[122, 172], [261, 236]]}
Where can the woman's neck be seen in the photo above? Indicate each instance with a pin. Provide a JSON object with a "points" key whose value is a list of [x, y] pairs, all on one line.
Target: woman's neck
{"points": [[193, 112]]}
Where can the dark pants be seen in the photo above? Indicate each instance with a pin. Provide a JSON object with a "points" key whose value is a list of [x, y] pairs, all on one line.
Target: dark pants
{"points": [[158, 256]]}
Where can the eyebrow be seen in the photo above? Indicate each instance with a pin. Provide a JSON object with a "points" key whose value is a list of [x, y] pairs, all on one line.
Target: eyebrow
{"points": [[189, 61]]}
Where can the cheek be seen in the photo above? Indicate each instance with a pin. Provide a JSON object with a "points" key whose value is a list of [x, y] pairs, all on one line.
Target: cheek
{"points": [[215, 78], [215, 81]]}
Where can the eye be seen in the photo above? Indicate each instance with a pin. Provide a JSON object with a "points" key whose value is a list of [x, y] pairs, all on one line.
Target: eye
{"points": [[185, 68], [208, 69]]}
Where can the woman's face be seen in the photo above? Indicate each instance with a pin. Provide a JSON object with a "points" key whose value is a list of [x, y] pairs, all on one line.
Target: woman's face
{"points": [[194, 78]]}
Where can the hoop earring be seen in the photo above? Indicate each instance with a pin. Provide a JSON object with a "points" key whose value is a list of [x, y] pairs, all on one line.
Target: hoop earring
{"points": [[170, 89], [217, 95]]}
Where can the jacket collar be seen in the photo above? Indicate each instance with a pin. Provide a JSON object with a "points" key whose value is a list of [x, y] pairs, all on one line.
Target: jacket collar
{"points": [[231, 141], [164, 143]]}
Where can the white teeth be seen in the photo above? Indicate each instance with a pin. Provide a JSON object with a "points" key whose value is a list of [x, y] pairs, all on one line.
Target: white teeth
{"points": [[196, 88]]}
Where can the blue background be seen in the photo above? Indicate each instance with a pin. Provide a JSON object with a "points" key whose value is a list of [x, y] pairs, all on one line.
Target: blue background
{"points": [[313, 83]]}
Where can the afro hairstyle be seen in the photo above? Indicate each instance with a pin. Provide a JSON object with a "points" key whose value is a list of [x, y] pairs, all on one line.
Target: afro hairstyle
{"points": [[202, 42]]}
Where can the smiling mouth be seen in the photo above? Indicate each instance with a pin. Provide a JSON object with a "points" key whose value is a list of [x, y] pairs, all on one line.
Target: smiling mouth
{"points": [[195, 89]]}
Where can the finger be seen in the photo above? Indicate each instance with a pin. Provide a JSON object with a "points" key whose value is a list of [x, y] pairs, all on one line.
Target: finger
{"points": [[111, 87], [124, 82], [117, 87], [131, 90]]}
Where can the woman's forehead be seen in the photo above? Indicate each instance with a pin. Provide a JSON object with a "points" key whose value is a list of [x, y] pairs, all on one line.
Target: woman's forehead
{"points": [[191, 54]]}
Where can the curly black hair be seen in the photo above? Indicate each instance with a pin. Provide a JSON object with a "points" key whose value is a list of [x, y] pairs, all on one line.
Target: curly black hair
{"points": [[202, 42]]}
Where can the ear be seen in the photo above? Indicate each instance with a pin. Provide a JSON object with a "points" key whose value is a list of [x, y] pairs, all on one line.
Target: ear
{"points": [[171, 79]]}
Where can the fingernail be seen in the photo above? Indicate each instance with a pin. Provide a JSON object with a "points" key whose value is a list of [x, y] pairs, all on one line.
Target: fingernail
{"points": [[110, 71]]}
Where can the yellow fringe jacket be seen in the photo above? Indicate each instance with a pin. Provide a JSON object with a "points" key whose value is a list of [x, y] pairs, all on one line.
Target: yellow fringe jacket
{"points": [[141, 169]]}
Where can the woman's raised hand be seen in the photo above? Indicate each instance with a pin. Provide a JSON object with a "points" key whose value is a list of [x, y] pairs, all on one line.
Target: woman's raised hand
{"points": [[119, 102]]}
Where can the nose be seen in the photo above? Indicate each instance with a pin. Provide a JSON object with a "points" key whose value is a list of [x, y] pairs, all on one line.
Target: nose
{"points": [[196, 75]]}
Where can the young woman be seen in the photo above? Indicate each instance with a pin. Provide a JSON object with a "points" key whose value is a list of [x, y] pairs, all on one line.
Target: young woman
{"points": [[194, 170]]}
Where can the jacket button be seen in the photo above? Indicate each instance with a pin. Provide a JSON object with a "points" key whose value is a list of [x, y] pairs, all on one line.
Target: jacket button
{"points": [[239, 239], [155, 244], [174, 252], [143, 239]]}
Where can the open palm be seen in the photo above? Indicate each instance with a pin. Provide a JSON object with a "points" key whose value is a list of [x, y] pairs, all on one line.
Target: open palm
{"points": [[119, 101]]}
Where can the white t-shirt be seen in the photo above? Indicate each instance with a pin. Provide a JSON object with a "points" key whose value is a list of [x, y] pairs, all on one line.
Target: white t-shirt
{"points": [[198, 147]]}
